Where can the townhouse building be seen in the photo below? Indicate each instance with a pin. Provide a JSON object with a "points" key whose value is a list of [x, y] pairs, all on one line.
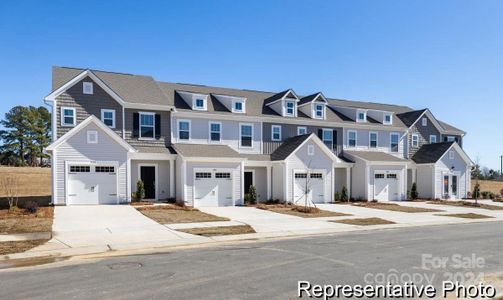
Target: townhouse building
{"points": [[205, 146]]}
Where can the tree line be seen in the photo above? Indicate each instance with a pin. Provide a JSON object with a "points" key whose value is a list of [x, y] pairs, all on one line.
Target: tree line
{"points": [[26, 132]]}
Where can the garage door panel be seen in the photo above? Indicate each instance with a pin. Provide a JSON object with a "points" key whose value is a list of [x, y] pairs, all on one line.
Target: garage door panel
{"points": [[92, 184], [386, 187], [315, 184], [213, 188]]}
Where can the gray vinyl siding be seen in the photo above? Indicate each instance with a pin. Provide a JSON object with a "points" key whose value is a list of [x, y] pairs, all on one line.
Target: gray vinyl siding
{"points": [[76, 148], [163, 167], [87, 105], [423, 133], [163, 141], [290, 130], [383, 141]]}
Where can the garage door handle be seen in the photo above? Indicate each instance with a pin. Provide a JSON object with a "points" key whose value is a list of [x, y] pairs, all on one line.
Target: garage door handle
{"points": [[112, 194], [72, 195]]}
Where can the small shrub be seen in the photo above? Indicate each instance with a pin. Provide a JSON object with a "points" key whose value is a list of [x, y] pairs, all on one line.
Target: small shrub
{"points": [[304, 209], [344, 194], [252, 195], [408, 195], [337, 197], [140, 190], [374, 201], [476, 191], [31, 207], [413, 192]]}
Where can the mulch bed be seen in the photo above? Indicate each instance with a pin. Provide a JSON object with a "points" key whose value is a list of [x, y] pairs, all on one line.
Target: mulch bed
{"points": [[467, 204], [364, 221], [220, 230], [396, 207], [299, 211], [466, 216], [19, 246], [172, 214]]}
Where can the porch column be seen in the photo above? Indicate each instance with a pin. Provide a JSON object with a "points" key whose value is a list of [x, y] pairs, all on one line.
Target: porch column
{"points": [[348, 181], [172, 178], [268, 178]]}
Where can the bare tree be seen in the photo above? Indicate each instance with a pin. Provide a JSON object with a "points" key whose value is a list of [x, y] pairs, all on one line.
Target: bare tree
{"points": [[10, 187], [306, 189]]}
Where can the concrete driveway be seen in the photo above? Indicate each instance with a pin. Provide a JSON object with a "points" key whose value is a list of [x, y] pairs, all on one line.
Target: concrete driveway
{"points": [[111, 226], [264, 221]]}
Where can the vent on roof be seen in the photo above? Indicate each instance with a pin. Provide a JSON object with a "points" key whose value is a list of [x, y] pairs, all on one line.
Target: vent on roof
{"points": [[87, 88]]}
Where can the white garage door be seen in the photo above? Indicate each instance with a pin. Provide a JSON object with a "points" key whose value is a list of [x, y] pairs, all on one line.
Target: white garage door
{"points": [[386, 186], [313, 183], [213, 188], [92, 184]]}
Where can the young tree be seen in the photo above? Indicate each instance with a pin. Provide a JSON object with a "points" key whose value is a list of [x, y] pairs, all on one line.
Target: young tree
{"points": [[15, 135]]}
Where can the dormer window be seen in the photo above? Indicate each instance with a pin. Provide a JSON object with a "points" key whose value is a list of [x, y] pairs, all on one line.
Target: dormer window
{"points": [[361, 116], [200, 103], [87, 88], [387, 119], [424, 122], [290, 108], [319, 111], [238, 106]]}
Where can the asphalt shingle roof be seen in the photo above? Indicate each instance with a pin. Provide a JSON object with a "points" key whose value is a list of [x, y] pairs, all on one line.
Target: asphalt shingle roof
{"points": [[375, 156], [191, 150], [289, 146], [431, 153], [409, 118]]}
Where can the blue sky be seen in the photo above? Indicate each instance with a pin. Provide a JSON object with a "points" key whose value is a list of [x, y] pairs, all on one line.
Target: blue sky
{"points": [[444, 55]]}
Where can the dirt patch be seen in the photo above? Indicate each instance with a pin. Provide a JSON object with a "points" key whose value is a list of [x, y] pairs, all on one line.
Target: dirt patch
{"points": [[467, 204], [488, 185], [299, 211], [396, 207], [172, 214], [466, 216], [221, 230], [32, 181], [364, 221], [19, 246], [20, 221]]}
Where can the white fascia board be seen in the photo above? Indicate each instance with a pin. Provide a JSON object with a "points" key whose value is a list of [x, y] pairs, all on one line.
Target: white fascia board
{"points": [[433, 119], [148, 106], [83, 124], [461, 153], [320, 144], [151, 156], [214, 159]]}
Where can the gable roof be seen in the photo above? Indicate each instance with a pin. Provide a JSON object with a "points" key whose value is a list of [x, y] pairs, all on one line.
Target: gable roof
{"points": [[312, 98], [410, 117], [374, 156], [91, 120], [290, 145], [431, 153]]}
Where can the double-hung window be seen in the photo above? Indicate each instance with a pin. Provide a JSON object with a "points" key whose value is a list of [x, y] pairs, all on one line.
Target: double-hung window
{"points": [[200, 103], [451, 139], [387, 119], [373, 140], [351, 138], [215, 132], [433, 139], [108, 117], [394, 138], [246, 135], [415, 140], [424, 121], [238, 106], [183, 130], [68, 116], [301, 130], [318, 111], [276, 133], [290, 108], [147, 125], [328, 138], [361, 116]]}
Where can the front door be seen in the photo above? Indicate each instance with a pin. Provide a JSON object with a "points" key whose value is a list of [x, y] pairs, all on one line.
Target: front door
{"points": [[147, 175], [248, 181], [450, 186]]}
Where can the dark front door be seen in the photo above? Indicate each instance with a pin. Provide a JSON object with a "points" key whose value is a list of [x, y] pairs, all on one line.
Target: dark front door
{"points": [[147, 175], [248, 181]]}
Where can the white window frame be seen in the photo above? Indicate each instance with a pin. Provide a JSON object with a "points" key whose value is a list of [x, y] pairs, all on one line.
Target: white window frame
{"points": [[370, 139], [390, 119], [424, 121], [243, 106], [323, 136], [451, 138], [433, 136], [210, 131], [391, 142], [310, 150], [103, 111], [87, 88], [416, 143], [301, 127], [139, 125], [286, 108], [272, 133], [63, 108], [240, 135], [178, 130], [356, 138], [451, 155], [205, 105], [90, 134], [358, 112], [315, 110]]}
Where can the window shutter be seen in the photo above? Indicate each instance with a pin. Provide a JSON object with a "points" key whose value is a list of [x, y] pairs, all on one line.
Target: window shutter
{"points": [[334, 138], [136, 124], [445, 139], [157, 126], [320, 134]]}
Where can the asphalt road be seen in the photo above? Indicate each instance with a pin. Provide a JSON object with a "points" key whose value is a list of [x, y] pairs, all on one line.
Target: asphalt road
{"points": [[266, 270]]}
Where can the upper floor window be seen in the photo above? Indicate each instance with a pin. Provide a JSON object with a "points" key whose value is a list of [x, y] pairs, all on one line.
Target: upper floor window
{"points": [[387, 119], [361, 116], [215, 131], [319, 111], [108, 117], [351, 138], [276, 133], [246, 135], [147, 125], [424, 121], [451, 154], [451, 138], [183, 130], [415, 140], [238, 106], [433, 139], [87, 88], [328, 138], [301, 130], [310, 150], [373, 140], [394, 139], [290, 108], [200, 103], [68, 116]]}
